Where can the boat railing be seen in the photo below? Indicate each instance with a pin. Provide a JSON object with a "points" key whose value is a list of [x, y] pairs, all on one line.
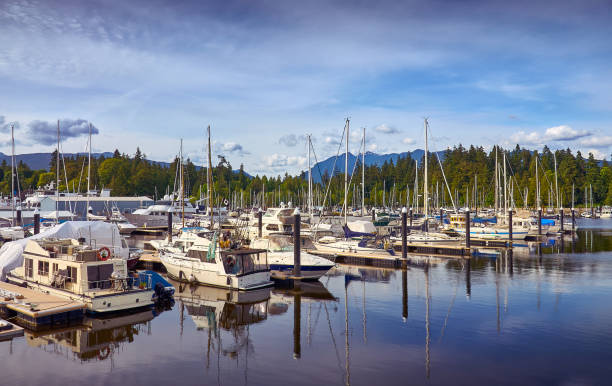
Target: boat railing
{"points": [[140, 281]]}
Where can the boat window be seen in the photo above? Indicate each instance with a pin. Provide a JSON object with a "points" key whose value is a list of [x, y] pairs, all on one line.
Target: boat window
{"points": [[197, 254], [55, 267], [99, 276], [280, 244], [244, 263], [272, 227], [43, 268], [29, 267], [71, 274]]}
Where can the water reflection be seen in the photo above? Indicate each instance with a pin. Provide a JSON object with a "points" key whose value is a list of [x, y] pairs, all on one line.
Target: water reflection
{"points": [[94, 339]]}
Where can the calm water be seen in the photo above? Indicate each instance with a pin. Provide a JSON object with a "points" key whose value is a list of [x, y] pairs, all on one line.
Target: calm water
{"points": [[540, 317]]}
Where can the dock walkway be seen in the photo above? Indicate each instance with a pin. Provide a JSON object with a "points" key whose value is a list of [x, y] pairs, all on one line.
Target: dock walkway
{"points": [[35, 309]]}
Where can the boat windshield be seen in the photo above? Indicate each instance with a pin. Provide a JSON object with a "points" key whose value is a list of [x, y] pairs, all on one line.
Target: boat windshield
{"points": [[242, 262], [280, 244]]}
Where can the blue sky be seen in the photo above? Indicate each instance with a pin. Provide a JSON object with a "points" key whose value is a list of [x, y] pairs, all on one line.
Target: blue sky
{"points": [[265, 73]]}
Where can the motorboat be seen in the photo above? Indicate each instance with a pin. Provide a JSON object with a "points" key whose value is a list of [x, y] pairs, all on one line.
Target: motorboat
{"points": [[218, 265], [281, 259]]}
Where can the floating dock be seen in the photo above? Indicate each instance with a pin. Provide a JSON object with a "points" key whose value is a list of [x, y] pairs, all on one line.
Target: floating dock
{"points": [[9, 330], [151, 260], [35, 310]]}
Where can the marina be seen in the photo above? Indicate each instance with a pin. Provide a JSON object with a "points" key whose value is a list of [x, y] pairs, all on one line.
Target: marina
{"points": [[417, 319], [305, 193]]}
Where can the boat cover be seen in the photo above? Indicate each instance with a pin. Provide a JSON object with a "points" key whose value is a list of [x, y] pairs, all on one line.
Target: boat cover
{"points": [[97, 233]]}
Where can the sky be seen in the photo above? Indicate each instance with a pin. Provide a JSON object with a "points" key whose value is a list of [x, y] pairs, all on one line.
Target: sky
{"points": [[264, 74]]}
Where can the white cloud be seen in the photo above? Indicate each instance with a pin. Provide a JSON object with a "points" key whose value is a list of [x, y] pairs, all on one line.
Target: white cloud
{"points": [[281, 160], [597, 141], [597, 154], [408, 141], [385, 129], [564, 133], [524, 138]]}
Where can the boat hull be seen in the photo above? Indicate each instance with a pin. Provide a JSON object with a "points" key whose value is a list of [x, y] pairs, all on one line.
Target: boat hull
{"points": [[196, 272]]}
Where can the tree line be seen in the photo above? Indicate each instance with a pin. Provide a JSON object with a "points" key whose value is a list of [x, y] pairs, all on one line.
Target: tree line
{"points": [[469, 174]]}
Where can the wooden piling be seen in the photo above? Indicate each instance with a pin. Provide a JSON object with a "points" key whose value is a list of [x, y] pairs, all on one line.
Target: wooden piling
{"points": [[297, 264], [404, 234], [467, 229], [36, 222]]}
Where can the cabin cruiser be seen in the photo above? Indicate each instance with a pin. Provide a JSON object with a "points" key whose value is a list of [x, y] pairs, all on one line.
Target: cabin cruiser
{"points": [[606, 212], [520, 228], [79, 272], [218, 265], [281, 259]]}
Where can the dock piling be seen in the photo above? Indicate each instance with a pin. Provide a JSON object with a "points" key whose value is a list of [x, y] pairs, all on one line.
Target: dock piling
{"points": [[467, 229], [561, 219], [170, 211], [510, 227], [540, 222], [19, 220], [36, 222], [573, 219], [259, 223], [404, 234], [297, 264], [410, 219]]}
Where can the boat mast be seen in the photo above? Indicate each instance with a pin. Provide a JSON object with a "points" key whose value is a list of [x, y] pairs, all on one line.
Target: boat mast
{"points": [[363, 176], [505, 187], [182, 193], [425, 187], [13, 175], [556, 182], [309, 181], [496, 183], [209, 178], [88, 175], [537, 186], [57, 167], [346, 173]]}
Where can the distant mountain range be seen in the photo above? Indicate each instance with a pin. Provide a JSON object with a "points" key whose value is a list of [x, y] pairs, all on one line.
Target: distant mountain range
{"points": [[37, 161], [326, 166]]}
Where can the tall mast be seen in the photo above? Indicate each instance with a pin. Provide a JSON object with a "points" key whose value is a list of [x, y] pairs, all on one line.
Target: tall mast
{"points": [[182, 193], [425, 187], [363, 176], [505, 187], [415, 202], [13, 175], [556, 182], [309, 182], [538, 205], [57, 168], [88, 175], [209, 175], [346, 173], [496, 183]]}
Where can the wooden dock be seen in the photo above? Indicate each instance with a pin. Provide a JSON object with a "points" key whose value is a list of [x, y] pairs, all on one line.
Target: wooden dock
{"points": [[9, 330], [151, 260], [36, 309]]}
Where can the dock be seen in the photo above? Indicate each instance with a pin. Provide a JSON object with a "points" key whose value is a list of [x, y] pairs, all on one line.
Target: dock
{"points": [[35, 310], [150, 260], [9, 330]]}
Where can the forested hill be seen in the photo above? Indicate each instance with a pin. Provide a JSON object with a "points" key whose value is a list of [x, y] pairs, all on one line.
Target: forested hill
{"points": [[469, 172]]}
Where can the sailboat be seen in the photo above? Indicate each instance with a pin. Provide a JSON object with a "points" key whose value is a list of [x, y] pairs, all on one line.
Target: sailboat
{"points": [[220, 264]]}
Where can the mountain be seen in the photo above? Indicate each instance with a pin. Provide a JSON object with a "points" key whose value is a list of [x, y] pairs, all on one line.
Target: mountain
{"points": [[320, 168], [37, 161]]}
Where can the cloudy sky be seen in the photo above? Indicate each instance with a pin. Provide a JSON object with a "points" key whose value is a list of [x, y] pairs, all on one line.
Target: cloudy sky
{"points": [[265, 73]]}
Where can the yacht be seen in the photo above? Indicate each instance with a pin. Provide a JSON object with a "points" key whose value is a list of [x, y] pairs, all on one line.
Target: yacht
{"points": [[281, 259], [606, 212], [73, 270], [235, 268]]}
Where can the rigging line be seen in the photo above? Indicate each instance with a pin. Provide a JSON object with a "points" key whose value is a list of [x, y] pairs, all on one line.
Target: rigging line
{"points": [[444, 175], [450, 307], [331, 177], [331, 332]]}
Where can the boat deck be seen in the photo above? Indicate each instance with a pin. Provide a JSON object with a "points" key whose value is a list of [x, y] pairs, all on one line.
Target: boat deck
{"points": [[36, 308]]}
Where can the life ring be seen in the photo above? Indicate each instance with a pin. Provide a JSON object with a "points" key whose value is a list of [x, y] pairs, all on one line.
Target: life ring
{"points": [[104, 253]]}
